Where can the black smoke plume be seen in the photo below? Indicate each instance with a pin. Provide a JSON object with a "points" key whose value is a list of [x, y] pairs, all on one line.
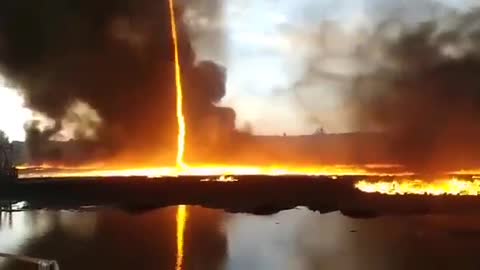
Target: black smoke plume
{"points": [[425, 94], [413, 80], [117, 57]]}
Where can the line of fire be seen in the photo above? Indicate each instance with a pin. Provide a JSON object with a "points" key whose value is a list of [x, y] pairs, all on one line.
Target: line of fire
{"points": [[257, 174]]}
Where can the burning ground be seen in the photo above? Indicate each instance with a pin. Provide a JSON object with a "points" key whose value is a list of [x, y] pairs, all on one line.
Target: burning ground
{"points": [[120, 81], [259, 194]]}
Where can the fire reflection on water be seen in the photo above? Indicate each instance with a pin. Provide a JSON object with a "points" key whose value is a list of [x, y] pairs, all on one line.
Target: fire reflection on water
{"points": [[181, 219]]}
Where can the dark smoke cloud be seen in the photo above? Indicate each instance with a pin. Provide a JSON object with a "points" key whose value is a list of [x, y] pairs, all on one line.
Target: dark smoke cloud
{"points": [[117, 57], [412, 78], [428, 98]]}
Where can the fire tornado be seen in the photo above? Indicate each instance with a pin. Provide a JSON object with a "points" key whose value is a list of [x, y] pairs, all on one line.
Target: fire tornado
{"points": [[182, 129], [181, 217], [116, 152]]}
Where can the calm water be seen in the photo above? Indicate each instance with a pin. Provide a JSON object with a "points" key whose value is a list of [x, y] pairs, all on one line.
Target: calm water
{"points": [[211, 239]]}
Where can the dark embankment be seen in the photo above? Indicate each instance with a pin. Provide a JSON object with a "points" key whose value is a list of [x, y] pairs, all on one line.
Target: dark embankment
{"points": [[251, 194]]}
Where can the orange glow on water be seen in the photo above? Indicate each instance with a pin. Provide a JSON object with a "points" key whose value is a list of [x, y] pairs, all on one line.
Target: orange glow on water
{"points": [[181, 219]]}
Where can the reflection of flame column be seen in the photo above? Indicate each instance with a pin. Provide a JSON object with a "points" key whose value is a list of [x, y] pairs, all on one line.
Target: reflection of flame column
{"points": [[181, 221]]}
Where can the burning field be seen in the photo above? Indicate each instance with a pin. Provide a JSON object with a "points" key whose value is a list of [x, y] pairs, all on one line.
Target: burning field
{"points": [[132, 93]]}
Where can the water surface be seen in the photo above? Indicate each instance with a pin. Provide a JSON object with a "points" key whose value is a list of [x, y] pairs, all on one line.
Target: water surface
{"points": [[211, 239]]}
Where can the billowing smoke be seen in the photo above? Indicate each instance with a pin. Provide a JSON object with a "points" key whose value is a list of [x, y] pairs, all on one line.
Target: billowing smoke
{"points": [[206, 28], [114, 59], [414, 79], [426, 94], [103, 72]]}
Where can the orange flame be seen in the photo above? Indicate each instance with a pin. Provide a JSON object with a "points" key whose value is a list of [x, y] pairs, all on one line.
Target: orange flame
{"points": [[182, 129], [205, 170], [451, 186], [181, 217], [223, 178]]}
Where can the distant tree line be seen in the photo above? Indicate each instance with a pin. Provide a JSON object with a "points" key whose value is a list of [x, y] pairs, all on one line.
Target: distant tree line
{"points": [[16, 151], [3, 138]]}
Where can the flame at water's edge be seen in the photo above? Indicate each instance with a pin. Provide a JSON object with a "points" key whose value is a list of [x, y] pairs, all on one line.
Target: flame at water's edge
{"points": [[455, 185], [201, 170]]}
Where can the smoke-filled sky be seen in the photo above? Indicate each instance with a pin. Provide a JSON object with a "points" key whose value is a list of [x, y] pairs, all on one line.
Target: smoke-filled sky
{"points": [[266, 47]]}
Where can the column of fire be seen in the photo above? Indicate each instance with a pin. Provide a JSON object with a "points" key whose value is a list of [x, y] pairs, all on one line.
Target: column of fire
{"points": [[181, 216]]}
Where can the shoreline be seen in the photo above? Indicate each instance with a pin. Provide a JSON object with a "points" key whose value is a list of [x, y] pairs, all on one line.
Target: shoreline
{"points": [[261, 195]]}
